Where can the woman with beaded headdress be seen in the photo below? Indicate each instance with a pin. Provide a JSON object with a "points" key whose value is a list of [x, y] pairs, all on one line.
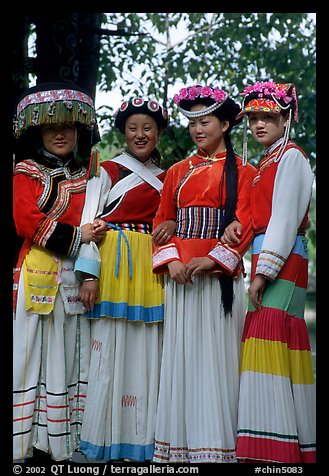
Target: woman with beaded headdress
{"points": [[55, 126], [204, 286], [126, 304], [277, 394]]}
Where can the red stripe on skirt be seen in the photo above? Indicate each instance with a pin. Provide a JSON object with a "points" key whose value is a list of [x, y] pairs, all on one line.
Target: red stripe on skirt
{"points": [[267, 449], [276, 325], [295, 269]]}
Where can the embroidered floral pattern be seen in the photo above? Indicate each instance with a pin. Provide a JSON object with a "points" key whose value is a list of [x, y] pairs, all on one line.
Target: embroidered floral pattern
{"points": [[269, 264], [164, 255], [225, 257], [164, 453]]}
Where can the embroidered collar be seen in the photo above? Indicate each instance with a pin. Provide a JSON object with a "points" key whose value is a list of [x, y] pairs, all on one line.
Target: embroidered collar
{"points": [[49, 161], [201, 154], [273, 146], [55, 159]]}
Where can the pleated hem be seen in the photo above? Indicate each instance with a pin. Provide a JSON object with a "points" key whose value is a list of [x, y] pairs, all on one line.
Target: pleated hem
{"points": [[164, 453], [117, 451], [125, 311], [270, 450]]}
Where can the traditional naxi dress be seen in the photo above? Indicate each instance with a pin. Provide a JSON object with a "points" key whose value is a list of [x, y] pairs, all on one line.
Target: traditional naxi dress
{"points": [[277, 396], [199, 385], [127, 320], [51, 342]]}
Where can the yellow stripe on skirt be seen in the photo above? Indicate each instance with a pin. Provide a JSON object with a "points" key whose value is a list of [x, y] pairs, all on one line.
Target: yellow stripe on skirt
{"points": [[275, 358], [136, 297]]}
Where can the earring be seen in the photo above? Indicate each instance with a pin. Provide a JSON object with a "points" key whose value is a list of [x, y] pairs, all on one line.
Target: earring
{"points": [[285, 138], [245, 144]]}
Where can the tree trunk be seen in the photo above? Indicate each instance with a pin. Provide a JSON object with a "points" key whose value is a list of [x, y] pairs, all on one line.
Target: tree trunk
{"points": [[67, 47], [21, 63]]}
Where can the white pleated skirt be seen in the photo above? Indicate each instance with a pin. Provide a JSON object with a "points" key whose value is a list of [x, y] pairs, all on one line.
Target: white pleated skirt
{"points": [[199, 384], [120, 412], [50, 371]]}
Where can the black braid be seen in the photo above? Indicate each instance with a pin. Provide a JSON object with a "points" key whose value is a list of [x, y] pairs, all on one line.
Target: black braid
{"points": [[231, 172]]}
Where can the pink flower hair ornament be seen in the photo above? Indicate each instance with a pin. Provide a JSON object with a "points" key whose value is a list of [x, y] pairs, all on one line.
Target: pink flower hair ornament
{"points": [[284, 92], [191, 93]]}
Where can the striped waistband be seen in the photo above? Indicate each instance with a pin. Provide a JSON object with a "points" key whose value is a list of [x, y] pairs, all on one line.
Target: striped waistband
{"points": [[199, 222], [139, 227]]}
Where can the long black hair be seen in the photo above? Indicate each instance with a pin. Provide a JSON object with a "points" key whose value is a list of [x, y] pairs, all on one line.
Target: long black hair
{"points": [[229, 110]]}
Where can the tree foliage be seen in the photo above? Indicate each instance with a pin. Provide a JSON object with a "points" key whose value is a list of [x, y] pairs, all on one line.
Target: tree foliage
{"points": [[226, 49], [154, 54]]}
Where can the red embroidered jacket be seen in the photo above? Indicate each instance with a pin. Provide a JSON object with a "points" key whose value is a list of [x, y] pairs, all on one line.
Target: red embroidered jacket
{"points": [[192, 189]]}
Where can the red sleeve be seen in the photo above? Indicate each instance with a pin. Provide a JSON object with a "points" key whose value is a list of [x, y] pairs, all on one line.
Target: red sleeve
{"points": [[36, 226], [229, 256], [243, 210], [27, 216], [167, 210]]}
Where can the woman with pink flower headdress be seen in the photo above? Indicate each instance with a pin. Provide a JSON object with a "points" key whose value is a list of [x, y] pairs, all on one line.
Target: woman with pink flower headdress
{"points": [[277, 392], [204, 286]]}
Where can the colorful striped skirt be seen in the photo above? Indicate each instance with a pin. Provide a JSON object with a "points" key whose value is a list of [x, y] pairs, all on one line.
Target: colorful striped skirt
{"points": [[277, 389]]}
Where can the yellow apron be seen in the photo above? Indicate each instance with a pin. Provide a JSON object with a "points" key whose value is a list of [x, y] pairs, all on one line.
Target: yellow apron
{"points": [[42, 270]]}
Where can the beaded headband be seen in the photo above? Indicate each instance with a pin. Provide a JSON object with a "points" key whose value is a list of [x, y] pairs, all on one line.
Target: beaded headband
{"points": [[191, 93], [260, 105]]}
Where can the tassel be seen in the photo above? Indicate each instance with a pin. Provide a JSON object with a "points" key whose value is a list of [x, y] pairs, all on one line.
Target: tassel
{"points": [[94, 163], [118, 257], [55, 112], [285, 139], [245, 142]]}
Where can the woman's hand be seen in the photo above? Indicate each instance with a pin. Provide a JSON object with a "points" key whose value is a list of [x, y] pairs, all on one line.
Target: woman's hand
{"points": [[99, 230], [232, 233], [199, 265], [177, 271], [93, 232], [89, 293], [256, 290], [163, 232], [87, 233]]}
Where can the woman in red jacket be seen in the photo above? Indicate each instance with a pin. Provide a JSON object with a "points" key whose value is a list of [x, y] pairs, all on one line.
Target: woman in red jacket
{"points": [[277, 394], [204, 286], [55, 127]]}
